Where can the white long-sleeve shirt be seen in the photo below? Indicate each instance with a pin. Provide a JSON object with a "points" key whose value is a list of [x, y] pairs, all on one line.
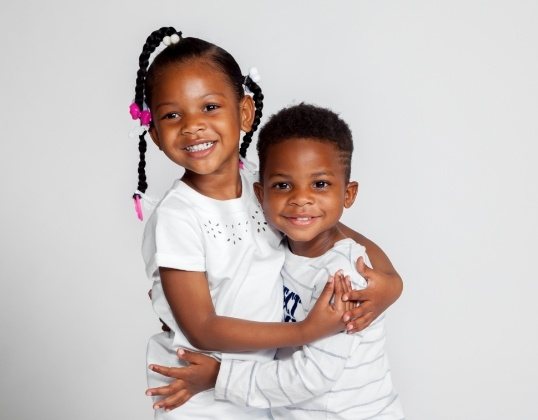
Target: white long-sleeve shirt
{"points": [[340, 377]]}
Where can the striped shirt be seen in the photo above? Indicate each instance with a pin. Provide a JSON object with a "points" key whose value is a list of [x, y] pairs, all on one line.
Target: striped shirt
{"points": [[339, 377]]}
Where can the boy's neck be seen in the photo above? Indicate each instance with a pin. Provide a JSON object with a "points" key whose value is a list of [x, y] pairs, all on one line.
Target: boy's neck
{"points": [[318, 245]]}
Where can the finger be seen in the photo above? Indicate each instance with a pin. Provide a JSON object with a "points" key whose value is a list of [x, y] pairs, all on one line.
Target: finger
{"points": [[171, 372], [338, 292], [162, 390], [348, 288], [360, 295], [360, 324], [168, 403]]}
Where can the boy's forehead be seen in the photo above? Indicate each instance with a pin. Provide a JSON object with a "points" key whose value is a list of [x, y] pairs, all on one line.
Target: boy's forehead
{"points": [[302, 154]]}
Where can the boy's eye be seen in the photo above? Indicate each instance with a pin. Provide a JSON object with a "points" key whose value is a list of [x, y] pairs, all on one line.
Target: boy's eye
{"points": [[321, 185], [281, 186]]}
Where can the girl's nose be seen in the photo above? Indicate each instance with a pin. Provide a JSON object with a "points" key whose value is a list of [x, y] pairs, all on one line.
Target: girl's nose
{"points": [[192, 125]]}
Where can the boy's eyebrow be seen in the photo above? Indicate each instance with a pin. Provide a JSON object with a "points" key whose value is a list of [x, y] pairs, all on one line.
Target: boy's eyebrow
{"points": [[322, 173], [313, 175]]}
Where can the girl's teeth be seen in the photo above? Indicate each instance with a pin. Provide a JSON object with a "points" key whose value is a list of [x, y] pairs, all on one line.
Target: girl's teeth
{"points": [[199, 147]]}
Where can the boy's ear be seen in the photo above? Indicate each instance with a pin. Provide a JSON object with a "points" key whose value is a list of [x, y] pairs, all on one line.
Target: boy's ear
{"points": [[246, 113], [154, 136], [258, 190], [351, 193]]}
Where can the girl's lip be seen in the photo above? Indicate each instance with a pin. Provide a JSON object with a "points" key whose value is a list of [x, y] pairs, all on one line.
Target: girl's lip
{"points": [[199, 146]]}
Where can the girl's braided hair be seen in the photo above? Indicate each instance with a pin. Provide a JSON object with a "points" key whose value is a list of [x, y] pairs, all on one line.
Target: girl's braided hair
{"points": [[185, 49]]}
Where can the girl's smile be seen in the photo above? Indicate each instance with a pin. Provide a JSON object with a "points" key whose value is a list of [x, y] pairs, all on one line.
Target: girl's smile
{"points": [[198, 119]]}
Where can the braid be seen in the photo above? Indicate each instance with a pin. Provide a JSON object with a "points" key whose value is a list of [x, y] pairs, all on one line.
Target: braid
{"points": [[258, 103], [152, 42]]}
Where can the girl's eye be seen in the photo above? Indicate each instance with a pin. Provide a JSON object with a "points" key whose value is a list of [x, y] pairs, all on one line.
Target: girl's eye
{"points": [[211, 107], [281, 186], [320, 185], [170, 116]]}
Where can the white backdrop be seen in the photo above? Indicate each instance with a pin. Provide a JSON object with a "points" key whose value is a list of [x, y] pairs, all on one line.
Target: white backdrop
{"points": [[442, 101]]}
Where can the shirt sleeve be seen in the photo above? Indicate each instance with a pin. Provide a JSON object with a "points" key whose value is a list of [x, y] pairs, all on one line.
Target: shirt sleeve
{"points": [[172, 239], [310, 372]]}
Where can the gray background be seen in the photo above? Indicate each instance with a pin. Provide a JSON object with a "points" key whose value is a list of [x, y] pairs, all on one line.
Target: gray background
{"points": [[442, 100]]}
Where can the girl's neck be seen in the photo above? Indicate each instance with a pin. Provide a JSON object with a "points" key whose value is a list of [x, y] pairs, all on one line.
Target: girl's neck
{"points": [[317, 246], [220, 186]]}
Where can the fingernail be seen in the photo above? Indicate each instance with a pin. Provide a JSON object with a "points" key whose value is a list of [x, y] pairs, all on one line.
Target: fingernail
{"points": [[345, 298], [151, 367], [148, 393], [340, 272], [181, 352], [349, 327], [346, 318]]}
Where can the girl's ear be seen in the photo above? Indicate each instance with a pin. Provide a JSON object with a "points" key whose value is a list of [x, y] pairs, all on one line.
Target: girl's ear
{"points": [[246, 113], [154, 136], [258, 190], [351, 193]]}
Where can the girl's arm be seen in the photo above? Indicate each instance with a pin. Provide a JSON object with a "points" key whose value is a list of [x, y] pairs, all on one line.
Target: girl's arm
{"points": [[188, 295], [384, 284]]}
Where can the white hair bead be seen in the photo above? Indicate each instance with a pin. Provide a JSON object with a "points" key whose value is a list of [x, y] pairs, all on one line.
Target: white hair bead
{"points": [[167, 40], [174, 38], [254, 75]]}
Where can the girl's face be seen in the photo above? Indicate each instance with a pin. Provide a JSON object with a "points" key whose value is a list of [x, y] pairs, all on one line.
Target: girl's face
{"points": [[304, 193], [197, 118]]}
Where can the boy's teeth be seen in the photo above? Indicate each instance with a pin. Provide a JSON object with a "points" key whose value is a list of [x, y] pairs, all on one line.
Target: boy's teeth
{"points": [[303, 219], [199, 147]]}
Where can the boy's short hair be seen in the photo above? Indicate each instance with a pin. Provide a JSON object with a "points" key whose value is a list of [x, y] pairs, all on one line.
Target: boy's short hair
{"points": [[306, 121]]}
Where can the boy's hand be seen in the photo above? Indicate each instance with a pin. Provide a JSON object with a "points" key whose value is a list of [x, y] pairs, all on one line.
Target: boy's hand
{"points": [[200, 375], [382, 291]]}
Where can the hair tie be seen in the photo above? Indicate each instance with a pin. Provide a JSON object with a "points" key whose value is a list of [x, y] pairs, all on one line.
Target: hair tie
{"points": [[172, 39], [137, 114], [138, 206], [254, 75]]}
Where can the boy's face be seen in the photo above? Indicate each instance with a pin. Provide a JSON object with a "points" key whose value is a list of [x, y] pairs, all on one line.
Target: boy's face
{"points": [[304, 190]]}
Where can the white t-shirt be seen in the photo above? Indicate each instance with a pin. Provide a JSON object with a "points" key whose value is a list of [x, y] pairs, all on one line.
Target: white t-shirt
{"points": [[339, 377], [242, 257]]}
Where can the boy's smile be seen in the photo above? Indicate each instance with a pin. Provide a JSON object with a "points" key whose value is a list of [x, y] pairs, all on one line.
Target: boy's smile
{"points": [[304, 192]]}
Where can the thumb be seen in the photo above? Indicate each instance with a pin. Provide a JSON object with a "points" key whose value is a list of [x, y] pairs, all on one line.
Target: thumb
{"points": [[193, 357], [327, 292], [363, 269], [188, 356]]}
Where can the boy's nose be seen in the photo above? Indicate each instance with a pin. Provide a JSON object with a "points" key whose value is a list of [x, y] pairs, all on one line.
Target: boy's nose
{"points": [[300, 198]]}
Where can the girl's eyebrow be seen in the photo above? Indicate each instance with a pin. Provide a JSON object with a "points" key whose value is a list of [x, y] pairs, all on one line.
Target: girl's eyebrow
{"points": [[173, 103]]}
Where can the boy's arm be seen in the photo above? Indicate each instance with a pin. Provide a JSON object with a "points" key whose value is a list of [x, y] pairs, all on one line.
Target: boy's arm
{"points": [[187, 292], [384, 284]]}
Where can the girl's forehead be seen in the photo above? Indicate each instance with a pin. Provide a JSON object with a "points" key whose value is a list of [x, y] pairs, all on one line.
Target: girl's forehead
{"points": [[192, 76]]}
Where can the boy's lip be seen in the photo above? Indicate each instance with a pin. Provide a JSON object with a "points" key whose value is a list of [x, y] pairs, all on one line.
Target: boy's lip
{"points": [[301, 219]]}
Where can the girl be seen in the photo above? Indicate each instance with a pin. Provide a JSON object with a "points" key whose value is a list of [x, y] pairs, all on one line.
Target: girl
{"points": [[212, 257]]}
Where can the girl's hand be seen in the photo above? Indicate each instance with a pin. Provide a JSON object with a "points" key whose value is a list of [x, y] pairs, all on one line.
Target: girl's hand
{"points": [[382, 291], [326, 317], [200, 375]]}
